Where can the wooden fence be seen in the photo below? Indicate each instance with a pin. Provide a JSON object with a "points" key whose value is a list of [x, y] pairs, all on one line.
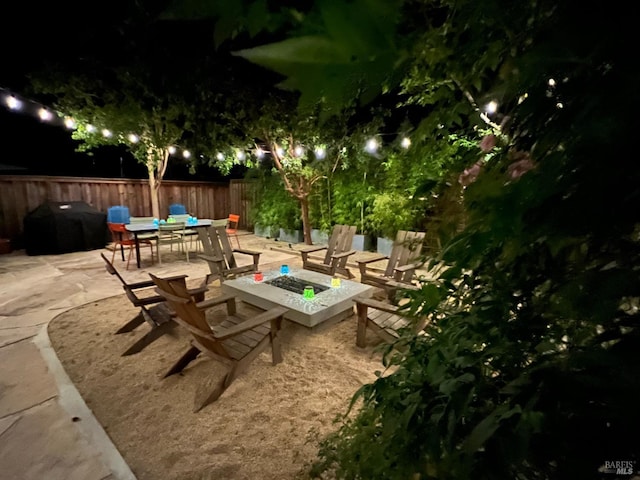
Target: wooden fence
{"points": [[21, 194]]}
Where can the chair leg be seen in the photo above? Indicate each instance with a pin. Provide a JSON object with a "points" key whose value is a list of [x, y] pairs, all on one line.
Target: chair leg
{"points": [[149, 337], [129, 257], [132, 324], [188, 356], [362, 325]]}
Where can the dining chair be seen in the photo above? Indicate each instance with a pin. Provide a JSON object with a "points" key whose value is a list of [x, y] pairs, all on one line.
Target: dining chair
{"points": [[145, 221], [172, 233], [190, 233], [232, 226], [121, 237]]}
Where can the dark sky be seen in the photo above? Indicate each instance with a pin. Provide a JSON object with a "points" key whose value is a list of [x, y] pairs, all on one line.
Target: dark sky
{"points": [[35, 33]]}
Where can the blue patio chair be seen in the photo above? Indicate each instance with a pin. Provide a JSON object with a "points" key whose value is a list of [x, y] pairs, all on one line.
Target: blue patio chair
{"points": [[177, 209], [118, 214]]}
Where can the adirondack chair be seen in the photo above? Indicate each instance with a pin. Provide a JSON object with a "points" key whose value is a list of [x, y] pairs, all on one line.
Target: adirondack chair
{"points": [[235, 341], [219, 254], [401, 264], [153, 308], [383, 320], [338, 251]]}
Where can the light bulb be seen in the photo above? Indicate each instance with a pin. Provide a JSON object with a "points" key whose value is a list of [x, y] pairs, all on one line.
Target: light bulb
{"points": [[45, 114], [372, 145]]}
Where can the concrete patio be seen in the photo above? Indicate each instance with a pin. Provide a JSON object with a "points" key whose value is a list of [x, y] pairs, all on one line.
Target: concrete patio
{"points": [[46, 429]]}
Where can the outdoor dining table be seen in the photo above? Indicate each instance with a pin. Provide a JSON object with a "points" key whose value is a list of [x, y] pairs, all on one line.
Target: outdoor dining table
{"points": [[138, 228]]}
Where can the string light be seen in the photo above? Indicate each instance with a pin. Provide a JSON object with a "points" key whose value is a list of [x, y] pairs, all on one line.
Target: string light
{"points": [[372, 145], [45, 115], [13, 103], [491, 107]]}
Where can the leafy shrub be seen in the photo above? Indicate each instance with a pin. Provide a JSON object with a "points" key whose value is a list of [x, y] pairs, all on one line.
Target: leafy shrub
{"points": [[529, 368]]}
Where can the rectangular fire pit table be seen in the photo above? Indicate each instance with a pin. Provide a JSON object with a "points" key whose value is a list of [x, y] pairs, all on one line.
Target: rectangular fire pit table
{"points": [[329, 305]]}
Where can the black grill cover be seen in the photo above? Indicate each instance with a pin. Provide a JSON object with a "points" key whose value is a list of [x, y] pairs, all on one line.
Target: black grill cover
{"points": [[63, 227]]}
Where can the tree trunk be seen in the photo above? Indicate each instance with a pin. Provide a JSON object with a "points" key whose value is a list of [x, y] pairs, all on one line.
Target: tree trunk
{"points": [[157, 160], [154, 190], [306, 227]]}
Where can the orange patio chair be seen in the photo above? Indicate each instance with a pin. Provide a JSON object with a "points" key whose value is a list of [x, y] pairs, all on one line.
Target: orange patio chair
{"points": [[121, 237], [232, 226]]}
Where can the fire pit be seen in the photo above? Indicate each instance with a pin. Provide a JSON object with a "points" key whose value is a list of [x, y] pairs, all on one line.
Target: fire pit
{"points": [[296, 285], [331, 305]]}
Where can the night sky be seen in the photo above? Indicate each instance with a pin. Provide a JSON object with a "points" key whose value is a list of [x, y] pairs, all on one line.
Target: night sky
{"points": [[40, 32]]}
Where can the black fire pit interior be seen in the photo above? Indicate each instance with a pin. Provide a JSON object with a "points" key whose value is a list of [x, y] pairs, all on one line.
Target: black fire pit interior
{"points": [[295, 285]]}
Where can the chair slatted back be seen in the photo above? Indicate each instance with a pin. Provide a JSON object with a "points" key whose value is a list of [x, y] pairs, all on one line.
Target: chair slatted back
{"points": [[219, 236], [140, 220], [210, 238], [340, 242], [177, 296], [406, 249]]}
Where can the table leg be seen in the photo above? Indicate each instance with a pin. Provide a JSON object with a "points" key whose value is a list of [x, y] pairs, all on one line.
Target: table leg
{"points": [[135, 236]]}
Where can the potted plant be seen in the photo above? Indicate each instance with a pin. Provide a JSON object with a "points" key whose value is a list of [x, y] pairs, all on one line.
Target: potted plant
{"points": [[391, 212], [352, 199]]}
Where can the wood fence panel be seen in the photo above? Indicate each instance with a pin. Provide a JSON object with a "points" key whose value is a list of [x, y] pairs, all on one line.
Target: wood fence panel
{"points": [[21, 194]]}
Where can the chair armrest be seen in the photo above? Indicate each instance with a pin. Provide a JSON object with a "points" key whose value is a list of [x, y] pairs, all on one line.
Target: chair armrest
{"points": [[378, 305], [144, 301], [402, 285], [223, 334], [247, 252], [312, 248], [372, 259], [198, 292], [209, 258], [406, 268], [212, 302], [138, 285], [343, 254]]}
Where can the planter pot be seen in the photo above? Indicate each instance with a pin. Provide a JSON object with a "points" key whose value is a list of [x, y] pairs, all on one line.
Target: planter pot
{"points": [[384, 245], [266, 232], [319, 237], [5, 246], [291, 236], [363, 243]]}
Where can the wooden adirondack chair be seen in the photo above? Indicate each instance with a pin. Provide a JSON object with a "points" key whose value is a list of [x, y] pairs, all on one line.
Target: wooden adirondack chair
{"points": [[382, 319], [219, 254], [401, 264], [338, 250], [234, 341], [153, 308]]}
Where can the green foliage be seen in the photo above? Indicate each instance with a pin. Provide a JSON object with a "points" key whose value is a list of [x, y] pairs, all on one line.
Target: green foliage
{"points": [[391, 212], [274, 208], [348, 58], [528, 369]]}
